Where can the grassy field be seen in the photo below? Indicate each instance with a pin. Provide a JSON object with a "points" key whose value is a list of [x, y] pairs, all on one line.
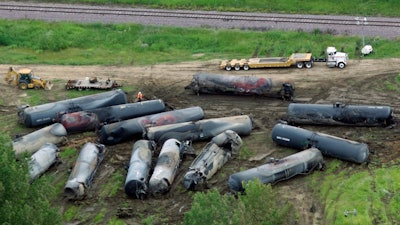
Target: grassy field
{"points": [[26, 41], [355, 7]]}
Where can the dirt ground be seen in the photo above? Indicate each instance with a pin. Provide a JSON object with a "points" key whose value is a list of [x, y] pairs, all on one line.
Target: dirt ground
{"points": [[361, 82]]}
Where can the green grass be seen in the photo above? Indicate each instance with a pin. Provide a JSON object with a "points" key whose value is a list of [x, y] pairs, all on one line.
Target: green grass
{"points": [[113, 185], [72, 213], [355, 7], [373, 194], [35, 42], [393, 85]]}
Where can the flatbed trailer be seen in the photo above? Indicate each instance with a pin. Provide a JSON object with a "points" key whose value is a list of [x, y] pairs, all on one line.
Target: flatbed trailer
{"points": [[91, 83], [299, 60]]}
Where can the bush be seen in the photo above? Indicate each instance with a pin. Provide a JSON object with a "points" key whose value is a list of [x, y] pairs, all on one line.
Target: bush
{"points": [[20, 202], [260, 205]]}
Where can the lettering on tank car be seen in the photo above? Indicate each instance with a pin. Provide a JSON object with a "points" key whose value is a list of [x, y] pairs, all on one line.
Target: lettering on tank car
{"points": [[282, 138]]}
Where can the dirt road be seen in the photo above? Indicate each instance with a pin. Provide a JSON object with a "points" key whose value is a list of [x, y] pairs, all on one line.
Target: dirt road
{"points": [[361, 82]]}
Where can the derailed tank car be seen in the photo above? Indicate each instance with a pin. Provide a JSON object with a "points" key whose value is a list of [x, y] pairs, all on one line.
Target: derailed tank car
{"points": [[45, 157], [241, 85], [40, 115], [303, 162], [93, 118], [79, 121], [54, 133], [200, 130], [211, 158], [136, 183], [84, 170], [167, 165], [115, 133], [339, 114], [332, 146]]}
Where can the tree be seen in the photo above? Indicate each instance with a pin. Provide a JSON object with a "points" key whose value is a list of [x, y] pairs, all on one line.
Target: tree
{"points": [[21, 202]]}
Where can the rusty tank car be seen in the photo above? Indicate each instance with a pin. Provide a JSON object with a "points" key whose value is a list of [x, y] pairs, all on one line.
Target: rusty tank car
{"points": [[45, 114], [241, 85], [339, 114], [200, 130], [92, 119], [332, 146], [84, 170], [115, 133], [303, 162], [136, 182], [211, 158]]}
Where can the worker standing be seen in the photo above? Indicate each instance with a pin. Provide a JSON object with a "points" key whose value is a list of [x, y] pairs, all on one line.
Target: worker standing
{"points": [[139, 96]]}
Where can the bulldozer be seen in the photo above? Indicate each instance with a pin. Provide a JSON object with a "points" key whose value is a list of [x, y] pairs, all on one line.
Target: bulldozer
{"points": [[24, 79]]}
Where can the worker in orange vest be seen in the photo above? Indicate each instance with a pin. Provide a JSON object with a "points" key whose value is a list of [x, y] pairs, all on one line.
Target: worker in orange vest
{"points": [[139, 96]]}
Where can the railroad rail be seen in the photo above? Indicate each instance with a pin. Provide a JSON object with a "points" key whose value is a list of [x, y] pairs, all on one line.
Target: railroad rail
{"points": [[243, 19]]}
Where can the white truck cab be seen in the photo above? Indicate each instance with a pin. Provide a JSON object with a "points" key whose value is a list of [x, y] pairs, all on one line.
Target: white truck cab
{"points": [[335, 58]]}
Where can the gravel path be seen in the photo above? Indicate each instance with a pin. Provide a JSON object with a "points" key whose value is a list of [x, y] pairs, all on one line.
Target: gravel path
{"points": [[295, 22]]}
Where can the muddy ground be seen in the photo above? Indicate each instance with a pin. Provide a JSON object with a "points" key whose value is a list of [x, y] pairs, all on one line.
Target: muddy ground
{"points": [[363, 81]]}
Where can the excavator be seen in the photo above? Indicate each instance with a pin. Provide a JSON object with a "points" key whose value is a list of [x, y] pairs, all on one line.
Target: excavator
{"points": [[24, 79]]}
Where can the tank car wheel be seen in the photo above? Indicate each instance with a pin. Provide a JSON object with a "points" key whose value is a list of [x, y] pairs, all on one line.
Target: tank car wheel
{"points": [[299, 65], [23, 86], [308, 64], [237, 66], [246, 67], [341, 65], [228, 67]]}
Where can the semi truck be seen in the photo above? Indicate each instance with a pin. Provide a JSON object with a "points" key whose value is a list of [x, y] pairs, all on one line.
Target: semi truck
{"points": [[299, 60], [334, 58]]}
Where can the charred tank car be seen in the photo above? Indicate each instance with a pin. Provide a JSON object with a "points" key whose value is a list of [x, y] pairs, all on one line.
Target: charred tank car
{"points": [[299, 138], [200, 130], [211, 158], [167, 165], [93, 118], [45, 114], [276, 170], [241, 85], [136, 183], [339, 114], [45, 157], [115, 133], [54, 133], [84, 170]]}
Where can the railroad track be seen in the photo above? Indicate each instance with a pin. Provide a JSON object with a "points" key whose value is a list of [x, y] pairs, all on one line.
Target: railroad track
{"points": [[373, 23]]}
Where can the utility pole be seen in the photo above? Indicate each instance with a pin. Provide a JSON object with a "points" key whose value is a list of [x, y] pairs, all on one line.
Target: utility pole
{"points": [[362, 22]]}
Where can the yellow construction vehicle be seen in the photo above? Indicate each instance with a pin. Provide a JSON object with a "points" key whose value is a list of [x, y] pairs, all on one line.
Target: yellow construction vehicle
{"points": [[25, 79]]}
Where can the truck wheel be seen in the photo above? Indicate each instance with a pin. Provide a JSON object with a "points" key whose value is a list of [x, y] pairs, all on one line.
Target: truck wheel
{"points": [[341, 65], [246, 67], [228, 67], [299, 65], [23, 86], [237, 66], [308, 64]]}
